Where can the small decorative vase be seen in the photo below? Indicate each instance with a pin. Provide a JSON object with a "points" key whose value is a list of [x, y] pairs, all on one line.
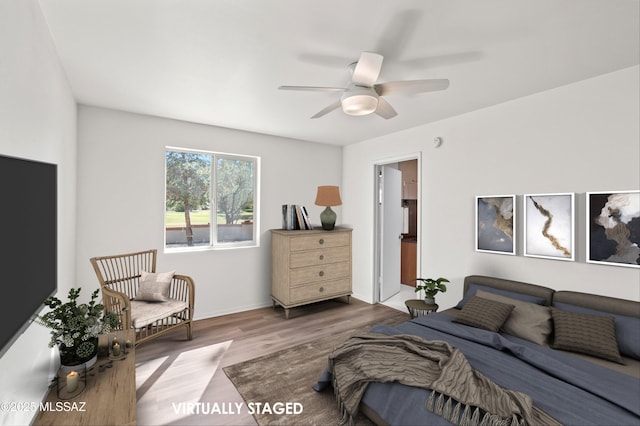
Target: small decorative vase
{"points": [[81, 354], [430, 300]]}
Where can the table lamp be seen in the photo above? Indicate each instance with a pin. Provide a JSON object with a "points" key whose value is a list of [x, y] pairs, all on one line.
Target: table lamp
{"points": [[328, 196]]}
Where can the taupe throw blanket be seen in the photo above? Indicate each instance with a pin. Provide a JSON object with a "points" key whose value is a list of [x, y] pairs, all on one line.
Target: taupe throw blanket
{"points": [[460, 394]]}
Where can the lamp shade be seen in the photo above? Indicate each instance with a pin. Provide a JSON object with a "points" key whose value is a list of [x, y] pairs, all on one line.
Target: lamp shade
{"points": [[328, 196]]}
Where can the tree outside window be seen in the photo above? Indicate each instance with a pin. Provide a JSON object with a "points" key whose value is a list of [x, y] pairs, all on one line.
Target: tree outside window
{"points": [[198, 195], [234, 189]]}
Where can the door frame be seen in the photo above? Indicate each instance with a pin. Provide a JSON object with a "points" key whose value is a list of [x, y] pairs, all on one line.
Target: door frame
{"points": [[377, 261]]}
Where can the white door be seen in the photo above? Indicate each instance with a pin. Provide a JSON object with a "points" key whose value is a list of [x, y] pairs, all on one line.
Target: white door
{"points": [[391, 232]]}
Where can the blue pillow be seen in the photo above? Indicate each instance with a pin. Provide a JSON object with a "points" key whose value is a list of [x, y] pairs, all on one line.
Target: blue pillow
{"points": [[472, 288], [627, 328]]}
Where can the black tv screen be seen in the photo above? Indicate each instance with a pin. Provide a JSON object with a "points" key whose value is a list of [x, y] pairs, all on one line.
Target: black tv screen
{"points": [[28, 226]]}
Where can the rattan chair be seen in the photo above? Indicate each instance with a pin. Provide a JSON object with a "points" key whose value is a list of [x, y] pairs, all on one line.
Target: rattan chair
{"points": [[119, 277]]}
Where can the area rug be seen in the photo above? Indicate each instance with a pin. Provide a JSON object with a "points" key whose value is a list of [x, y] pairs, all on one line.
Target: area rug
{"points": [[286, 377]]}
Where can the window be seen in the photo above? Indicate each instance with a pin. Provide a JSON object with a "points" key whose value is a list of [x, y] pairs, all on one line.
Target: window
{"points": [[204, 188]]}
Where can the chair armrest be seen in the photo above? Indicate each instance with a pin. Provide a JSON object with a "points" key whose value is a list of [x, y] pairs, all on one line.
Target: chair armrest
{"points": [[183, 288], [119, 303]]}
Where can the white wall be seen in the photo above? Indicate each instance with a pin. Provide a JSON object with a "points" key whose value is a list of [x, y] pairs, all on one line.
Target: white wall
{"points": [[577, 138], [37, 121], [121, 199]]}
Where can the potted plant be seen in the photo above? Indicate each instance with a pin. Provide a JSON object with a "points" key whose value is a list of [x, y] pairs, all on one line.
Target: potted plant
{"points": [[431, 287], [75, 327]]}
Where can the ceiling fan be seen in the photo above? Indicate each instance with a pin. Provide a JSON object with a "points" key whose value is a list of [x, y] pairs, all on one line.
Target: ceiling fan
{"points": [[364, 96]]}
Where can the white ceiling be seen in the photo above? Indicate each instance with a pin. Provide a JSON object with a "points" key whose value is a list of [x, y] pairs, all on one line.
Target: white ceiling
{"points": [[220, 62]]}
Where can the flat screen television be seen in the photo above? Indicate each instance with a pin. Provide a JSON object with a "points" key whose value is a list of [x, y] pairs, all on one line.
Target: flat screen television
{"points": [[28, 230]]}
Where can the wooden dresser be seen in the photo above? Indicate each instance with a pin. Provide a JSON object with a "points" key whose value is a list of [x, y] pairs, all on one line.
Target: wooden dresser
{"points": [[309, 266]]}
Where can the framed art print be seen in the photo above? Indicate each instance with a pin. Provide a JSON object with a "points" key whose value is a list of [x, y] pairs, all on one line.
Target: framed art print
{"points": [[549, 226], [496, 224], [613, 228]]}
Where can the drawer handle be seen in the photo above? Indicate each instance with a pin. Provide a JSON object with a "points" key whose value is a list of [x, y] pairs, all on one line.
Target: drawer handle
{"points": [[321, 241], [321, 289], [321, 273], [322, 257]]}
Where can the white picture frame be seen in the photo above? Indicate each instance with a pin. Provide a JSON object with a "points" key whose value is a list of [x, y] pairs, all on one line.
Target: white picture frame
{"points": [[496, 224], [549, 226], [613, 228]]}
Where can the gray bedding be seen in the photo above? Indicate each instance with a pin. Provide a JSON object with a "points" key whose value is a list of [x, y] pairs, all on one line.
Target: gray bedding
{"points": [[570, 389], [458, 392], [576, 389]]}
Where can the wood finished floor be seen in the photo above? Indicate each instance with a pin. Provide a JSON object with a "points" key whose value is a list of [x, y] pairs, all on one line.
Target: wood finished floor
{"points": [[253, 334]]}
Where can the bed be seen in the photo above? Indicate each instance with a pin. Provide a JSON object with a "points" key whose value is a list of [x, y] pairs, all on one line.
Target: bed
{"points": [[575, 355]]}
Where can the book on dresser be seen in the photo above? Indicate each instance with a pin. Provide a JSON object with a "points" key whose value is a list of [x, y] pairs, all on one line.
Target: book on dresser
{"points": [[295, 217], [310, 266]]}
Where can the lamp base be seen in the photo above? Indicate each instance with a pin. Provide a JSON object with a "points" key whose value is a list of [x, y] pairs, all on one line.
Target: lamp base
{"points": [[328, 219]]}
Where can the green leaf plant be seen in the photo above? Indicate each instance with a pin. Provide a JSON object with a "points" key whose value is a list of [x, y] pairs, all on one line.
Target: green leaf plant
{"points": [[72, 323], [430, 286]]}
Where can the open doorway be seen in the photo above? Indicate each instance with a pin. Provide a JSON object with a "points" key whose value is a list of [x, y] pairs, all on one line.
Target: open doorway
{"points": [[409, 246], [396, 230]]}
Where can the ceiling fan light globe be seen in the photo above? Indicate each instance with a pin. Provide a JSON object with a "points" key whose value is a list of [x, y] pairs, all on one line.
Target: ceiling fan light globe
{"points": [[359, 101], [359, 104]]}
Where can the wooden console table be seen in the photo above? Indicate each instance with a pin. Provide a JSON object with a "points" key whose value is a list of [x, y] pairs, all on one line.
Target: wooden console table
{"points": [[109, 397]]}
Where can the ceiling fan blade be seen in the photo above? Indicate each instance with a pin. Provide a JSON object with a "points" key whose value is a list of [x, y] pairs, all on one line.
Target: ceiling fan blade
{"points": [[411, 86], [367, 69], [328, 109], [313, 89], [385, 110]]}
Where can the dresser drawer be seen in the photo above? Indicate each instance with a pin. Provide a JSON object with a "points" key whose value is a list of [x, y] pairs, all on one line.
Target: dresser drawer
{"points": [[320, 290], [311, 242], [319, 273], [300, 259]]}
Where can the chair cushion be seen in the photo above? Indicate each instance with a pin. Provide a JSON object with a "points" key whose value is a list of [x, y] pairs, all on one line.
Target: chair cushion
{"points": [[154, 287], [144, 313]]}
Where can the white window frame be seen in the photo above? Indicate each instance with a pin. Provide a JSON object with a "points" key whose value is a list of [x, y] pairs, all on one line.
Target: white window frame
{"points": [[213, 230]]}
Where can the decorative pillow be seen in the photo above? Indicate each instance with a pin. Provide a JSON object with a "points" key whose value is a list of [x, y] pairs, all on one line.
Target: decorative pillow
{"points": [[588, 334], [527, 320], [154, 287], [484, 313], [472, 288], [627, 328]]}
